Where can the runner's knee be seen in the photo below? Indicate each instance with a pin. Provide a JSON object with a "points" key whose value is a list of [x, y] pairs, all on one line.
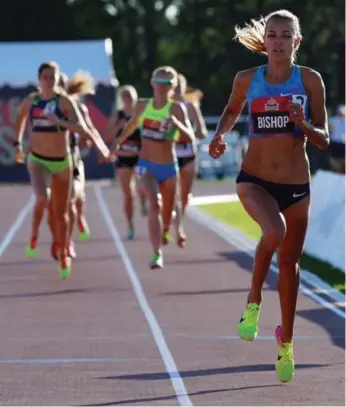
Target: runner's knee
{"points": [[155, 204], [272, 237], [42, 201], [288, 265]]}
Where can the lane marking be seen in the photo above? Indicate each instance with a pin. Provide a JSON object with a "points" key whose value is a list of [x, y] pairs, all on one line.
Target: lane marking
{"points": [[224, 232], [52, 361], [171, 368], [213, 199], [7, 239], [320, 286]]}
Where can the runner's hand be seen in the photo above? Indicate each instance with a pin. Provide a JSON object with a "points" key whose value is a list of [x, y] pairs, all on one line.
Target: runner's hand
{"points": [[296, 113], [19, 157], [106, 158], [217, 147]]}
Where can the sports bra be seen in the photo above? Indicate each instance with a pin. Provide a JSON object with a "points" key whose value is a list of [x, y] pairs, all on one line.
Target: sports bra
{"points": [[153, 123], [267, 104], [39, 122]]}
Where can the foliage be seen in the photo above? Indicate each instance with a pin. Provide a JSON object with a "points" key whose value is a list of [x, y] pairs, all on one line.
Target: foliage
{"points": [[194, 36]]}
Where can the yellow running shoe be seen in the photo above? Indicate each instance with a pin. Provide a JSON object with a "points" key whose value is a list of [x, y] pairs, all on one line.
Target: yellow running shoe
{"points": [[31, 248], [284, 365], [83, 230], [65, 268], [166, 238], [248, 324]]}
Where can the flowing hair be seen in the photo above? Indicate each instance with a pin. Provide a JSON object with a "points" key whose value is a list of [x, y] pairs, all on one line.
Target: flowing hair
{"points": [[193, 95], [252, 35], [82, 83]]}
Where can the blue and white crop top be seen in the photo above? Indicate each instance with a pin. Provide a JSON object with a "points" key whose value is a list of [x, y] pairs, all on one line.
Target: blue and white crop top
{"points": [[267, 104], [39, 108]]}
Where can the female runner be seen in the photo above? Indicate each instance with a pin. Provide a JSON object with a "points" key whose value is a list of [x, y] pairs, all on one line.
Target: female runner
{"points": [[186, 152], [159, 119], [286, 104], [51, 115], [80, 85], [127, 155]]}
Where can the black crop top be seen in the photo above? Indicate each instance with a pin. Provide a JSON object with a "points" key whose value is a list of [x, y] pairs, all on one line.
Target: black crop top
{"points": [[39, 108], [133, 142]]}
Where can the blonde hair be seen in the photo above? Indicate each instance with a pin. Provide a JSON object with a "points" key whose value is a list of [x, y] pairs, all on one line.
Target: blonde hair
{"points": [[131, 90], [166, 69], [252, 35], [82, 83], [193, 95], [182, 81]]}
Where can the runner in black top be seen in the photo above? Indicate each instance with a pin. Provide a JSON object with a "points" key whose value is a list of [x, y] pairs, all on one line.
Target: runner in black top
{"points": [[127, 156]]}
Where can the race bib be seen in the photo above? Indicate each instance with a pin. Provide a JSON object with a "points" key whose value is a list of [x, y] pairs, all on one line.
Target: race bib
{"points": [[140, 171], [50, 107], [300, 99]]}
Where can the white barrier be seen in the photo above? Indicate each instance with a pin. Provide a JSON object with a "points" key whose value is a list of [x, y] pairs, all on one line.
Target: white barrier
{"points": [[325, 238]]}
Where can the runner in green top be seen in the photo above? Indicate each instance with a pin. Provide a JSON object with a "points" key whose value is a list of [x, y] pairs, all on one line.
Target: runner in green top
{"points": [[159, 119], [52, 115]]}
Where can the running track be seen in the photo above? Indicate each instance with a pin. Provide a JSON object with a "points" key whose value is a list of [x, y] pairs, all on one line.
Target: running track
{"points": [[117, 333]]}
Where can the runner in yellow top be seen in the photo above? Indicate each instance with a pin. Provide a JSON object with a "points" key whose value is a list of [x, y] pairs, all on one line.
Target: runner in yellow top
{"points": [[159, 119]]}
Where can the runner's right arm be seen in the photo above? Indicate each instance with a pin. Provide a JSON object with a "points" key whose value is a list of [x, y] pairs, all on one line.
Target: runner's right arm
{"points": [[20, 127], [21, 120]]}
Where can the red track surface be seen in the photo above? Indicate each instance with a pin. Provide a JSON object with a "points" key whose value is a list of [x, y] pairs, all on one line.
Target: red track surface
{"points": [[86, 341]]}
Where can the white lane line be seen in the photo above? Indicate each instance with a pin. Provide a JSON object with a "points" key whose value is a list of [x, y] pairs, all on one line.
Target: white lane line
{"points": [[16, 225], [222, 230], [212, 199], [171, 367]]}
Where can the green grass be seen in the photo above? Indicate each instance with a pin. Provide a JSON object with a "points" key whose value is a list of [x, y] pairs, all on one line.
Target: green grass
{"points": [[217, 181], [234, 215]]}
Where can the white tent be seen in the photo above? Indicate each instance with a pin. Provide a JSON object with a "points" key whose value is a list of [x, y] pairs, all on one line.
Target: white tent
{"points": [[18, 78], [20, 60]]}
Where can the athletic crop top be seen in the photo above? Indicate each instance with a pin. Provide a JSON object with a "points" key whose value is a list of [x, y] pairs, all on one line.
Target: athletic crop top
{"points": [[268, 114], [133, 142], [153, 123], [37, 112]]}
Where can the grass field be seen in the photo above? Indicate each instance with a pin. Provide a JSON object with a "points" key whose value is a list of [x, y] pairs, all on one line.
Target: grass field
{"points": [[234, 215]]}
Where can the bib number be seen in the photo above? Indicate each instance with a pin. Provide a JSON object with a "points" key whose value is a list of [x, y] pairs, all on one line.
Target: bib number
{"points": [[140, 171], [300, 99], [50, 107], [166, 125]]}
